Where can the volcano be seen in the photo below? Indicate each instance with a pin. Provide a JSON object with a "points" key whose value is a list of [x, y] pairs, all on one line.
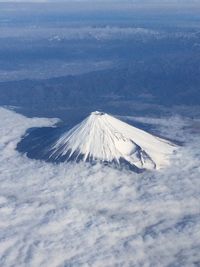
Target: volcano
{"points": [[106, 139]]}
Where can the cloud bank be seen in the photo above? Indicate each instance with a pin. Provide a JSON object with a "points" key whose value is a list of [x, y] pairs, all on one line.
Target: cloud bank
{"points": [[77, 215]]}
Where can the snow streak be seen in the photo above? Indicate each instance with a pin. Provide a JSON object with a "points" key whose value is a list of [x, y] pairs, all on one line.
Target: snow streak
{"points": [[101, 137]]}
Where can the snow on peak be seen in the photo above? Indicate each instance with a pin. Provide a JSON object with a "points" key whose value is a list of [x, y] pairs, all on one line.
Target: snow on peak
{"points": [[101, 137], [97, 113]]}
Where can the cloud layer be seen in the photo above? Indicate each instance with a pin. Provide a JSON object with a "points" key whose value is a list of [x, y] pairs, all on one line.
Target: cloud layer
{"points": [[77, 215]]}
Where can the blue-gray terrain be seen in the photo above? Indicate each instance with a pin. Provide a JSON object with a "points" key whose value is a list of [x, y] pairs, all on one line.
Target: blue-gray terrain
{"points": [[59, 59]]}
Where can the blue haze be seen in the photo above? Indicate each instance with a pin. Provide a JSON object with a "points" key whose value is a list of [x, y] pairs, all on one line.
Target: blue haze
{"points": [[63, 60]]}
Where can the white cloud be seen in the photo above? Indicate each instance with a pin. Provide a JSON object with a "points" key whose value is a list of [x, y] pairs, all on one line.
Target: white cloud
{"points": [[54, 68], [76, 215], [57, 34]]}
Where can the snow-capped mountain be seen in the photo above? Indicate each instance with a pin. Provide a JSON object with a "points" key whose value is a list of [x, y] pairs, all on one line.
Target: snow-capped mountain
{"points": [[101, 137]]}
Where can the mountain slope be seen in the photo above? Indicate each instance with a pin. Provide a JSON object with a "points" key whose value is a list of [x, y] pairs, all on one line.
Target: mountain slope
{"points": [[101, 137]]}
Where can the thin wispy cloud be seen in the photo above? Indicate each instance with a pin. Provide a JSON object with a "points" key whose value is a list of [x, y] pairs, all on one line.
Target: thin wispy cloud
{"points": [[77, 33]]}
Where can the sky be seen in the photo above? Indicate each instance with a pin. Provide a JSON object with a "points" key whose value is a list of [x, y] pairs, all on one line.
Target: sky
{"points": [[118, 1]]}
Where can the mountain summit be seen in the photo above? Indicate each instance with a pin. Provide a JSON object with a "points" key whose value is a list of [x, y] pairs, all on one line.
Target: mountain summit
{"points": [[103, 138]]}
